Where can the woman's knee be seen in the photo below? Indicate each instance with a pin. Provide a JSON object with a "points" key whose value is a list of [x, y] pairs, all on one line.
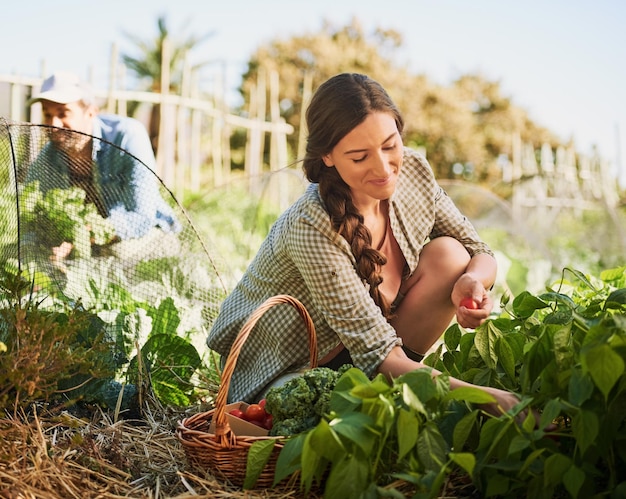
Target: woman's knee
{"points": [[442, 261], [445, 254]]}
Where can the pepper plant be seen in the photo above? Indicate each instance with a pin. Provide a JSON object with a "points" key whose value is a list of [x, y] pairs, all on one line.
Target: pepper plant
{"points": [[563, 352]]}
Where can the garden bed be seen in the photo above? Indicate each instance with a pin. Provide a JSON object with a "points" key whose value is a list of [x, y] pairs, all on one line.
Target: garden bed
{"points": [[50, 454]]}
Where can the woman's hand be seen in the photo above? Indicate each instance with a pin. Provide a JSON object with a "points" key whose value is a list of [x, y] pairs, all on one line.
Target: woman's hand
{"points": [[505, 401], [469, 287]]}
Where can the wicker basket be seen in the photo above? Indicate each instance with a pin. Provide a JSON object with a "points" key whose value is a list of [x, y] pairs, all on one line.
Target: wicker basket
{"points": [[223, 453]]}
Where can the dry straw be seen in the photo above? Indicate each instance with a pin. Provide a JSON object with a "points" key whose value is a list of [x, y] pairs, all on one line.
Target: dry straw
{"points": [[223, 453], [50, 454]]}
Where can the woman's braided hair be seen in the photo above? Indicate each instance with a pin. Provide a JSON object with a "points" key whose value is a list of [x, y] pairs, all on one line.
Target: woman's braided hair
{"points": [[337, 107]]}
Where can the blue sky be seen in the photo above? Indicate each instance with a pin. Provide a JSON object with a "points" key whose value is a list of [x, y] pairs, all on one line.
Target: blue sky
{"points": [[564, 61]]}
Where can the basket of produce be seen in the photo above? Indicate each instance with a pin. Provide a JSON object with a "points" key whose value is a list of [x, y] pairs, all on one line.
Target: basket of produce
{"points": [[217, 440]]}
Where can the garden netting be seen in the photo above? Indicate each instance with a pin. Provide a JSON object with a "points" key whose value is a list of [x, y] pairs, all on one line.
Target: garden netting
{"points": [[60, 230]]}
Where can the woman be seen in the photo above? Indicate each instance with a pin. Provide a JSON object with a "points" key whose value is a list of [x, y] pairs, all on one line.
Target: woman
{"points": [[374, 249]]}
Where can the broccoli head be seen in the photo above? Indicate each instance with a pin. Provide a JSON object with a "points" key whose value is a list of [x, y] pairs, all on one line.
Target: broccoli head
{"points": [[302, 401]]}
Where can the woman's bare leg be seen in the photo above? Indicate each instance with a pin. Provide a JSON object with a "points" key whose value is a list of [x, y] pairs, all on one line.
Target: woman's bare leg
{"points": [[427, 310]]}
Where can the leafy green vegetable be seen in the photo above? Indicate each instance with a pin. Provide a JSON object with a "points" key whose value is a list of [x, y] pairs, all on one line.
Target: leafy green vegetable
{"points": [[301, 402], [62, 215]]}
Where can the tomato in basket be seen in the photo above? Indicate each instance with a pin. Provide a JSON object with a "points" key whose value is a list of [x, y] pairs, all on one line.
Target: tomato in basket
{"points": [[238, 413], [254, 412], [268, 422]]}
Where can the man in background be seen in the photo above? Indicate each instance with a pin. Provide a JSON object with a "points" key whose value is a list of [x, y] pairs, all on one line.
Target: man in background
{"points": [[110, 157]]}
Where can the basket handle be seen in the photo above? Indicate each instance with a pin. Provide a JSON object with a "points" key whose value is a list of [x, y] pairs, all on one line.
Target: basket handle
{"points": [[223, 433]]}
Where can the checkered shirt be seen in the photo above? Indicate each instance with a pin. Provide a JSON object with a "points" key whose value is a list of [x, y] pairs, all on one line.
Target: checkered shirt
{"points": [[304, 257]]}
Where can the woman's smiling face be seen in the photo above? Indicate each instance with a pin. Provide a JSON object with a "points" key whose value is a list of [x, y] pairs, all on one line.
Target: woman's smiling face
{"points": [[369, 158]]}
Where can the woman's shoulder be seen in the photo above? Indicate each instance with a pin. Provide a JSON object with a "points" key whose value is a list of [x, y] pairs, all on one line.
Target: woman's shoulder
{"points": [[307, 216], [309, 205], [416, 169], [415, 159]]}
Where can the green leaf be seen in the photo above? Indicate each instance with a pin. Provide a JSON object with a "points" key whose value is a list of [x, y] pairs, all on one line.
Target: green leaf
{"points": [[496, 436], [451, 362], [550, 412], [486, 336], [171, 361], [516, 342], [497, 485], [431, 447], [573, 480], [452, 337], [382, 410], [470, 394], [554, 468], [169, 391], [407, 427], [518, 444], [463, 429], [465, 460], [505, 357], [341, 398], [580, 387], [525, 304], [530, 460], [466, 347], [537, 358], [620, 490], [604, 365], [348, 478], [166, 319], [259, 454], [617, 299], [325, 442], [343, 402], [421, 383], [559, 298], [312, 464], [288, 461], [585, 428], [411, 400], [563, 351], [371, 389], [582, 277], [615, 275]]}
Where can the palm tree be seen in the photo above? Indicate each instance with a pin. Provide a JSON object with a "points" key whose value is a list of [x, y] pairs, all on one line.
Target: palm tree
{"points": [[148, 65]]}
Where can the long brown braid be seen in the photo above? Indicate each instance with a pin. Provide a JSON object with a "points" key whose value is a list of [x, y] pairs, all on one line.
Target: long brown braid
{"points": [[337, 107]]}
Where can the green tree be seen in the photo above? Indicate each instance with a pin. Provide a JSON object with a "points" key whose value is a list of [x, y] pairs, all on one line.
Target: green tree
{"points": [[321, 55], [147, 64], [468, 122]]}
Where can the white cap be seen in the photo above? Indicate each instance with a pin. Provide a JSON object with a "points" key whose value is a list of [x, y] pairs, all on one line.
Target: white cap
{"points": [[63, 88]]}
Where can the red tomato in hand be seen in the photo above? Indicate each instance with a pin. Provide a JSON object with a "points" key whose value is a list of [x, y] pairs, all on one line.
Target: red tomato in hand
{"points": [[237, 413], [469, 303], [254, 412]]}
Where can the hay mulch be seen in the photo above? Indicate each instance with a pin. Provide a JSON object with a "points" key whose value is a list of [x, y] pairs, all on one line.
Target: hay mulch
{"points": [[61, 454], [52, 454]]}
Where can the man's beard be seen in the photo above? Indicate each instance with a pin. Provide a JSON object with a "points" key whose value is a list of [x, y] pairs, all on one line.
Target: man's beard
{"points": [[69, 141]]}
